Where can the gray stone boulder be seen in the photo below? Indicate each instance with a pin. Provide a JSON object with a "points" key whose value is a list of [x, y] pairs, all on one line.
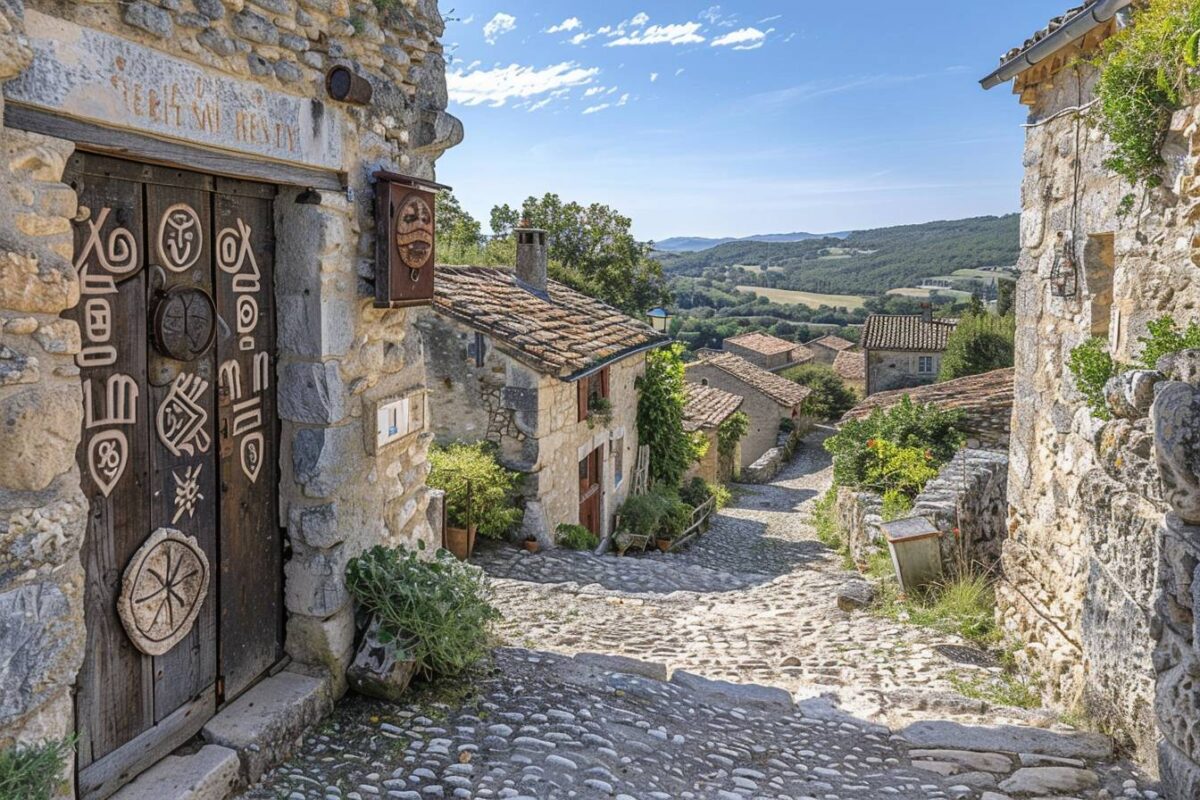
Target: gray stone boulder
{"points": [[383, 666], [855, 595], [1183, 366], [1131, 394], [1176, 417]]}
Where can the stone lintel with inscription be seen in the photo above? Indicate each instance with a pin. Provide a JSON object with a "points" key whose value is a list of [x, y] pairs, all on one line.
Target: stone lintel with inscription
{"points": [[97, 77]]}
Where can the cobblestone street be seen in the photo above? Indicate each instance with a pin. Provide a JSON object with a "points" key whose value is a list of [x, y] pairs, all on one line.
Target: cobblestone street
{"points": [[725, 671]]}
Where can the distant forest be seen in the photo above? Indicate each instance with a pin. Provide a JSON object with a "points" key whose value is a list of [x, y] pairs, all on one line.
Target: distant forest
{"points": [[865, 262]]}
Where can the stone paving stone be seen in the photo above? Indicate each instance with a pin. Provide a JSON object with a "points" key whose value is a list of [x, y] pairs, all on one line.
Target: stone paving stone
{"points": [[753, 603]]}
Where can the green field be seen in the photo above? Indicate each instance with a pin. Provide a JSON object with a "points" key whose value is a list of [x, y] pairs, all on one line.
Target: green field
{"points": [[810, 299], [924, 293]]}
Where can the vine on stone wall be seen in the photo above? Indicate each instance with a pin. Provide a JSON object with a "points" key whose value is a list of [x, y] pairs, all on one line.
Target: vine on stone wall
{"points": [[1145, 71]]}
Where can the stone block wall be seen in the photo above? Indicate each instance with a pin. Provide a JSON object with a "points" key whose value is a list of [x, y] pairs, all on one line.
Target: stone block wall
{"points": [[765, 414], [338, 358], [896, 369]]}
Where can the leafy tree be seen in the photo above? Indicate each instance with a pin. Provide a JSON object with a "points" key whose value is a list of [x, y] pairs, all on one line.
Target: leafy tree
{"points": [[830, 396], [1164, 338], [591, 249], [479, 490], [660, 417], [1006, 290], [980, 343], [456, 228], [907, 425]]}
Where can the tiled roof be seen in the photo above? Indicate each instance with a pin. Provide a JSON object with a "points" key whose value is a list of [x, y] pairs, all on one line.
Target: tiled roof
{"points": [[707, 406], [563, 334], [763, 343], [779, 389], [851, 365], [986, 397], [1050, 28], [906, 332], [833, 343]]}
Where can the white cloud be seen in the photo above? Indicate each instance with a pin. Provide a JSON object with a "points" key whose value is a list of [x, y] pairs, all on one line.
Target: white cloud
{"points": [[770, 19], [624, 100], [714, 16], [596, 109], [469, 20], [653, 77], [499, 85], [679, 72], [592, 91], [685, 33], [744, 39], [582, 37], [541, 104], [566, 26], [498, 26], [639, 19]]}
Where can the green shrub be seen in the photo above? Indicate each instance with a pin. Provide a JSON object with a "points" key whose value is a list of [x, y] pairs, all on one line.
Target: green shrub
{"points": [[1145, 70], [34, 772], [442, 603], [660, 417], [493, 502], [890, 469], [824, 521], [731, 432], [895, 505], [696, 492], [1165, 338], [980, 343], [907, 425], [659, 513], [1092, 366], [830, 396], [575, 537]]}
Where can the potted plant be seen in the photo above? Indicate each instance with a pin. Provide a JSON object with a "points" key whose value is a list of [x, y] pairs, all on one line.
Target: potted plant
{"points": [[600, 410], [531, 544], [575, 537], [423, 618], [480, 494]]}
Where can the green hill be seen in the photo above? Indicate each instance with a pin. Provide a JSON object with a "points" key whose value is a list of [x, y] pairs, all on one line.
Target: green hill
{"points": [[868, 262]]}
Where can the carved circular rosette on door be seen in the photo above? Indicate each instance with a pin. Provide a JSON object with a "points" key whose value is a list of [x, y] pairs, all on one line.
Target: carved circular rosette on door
{"points": [[185, 323], [164, 588]]}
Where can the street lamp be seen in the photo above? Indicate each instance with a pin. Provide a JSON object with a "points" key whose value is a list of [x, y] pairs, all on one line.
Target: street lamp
{"points": [[660, 319]]}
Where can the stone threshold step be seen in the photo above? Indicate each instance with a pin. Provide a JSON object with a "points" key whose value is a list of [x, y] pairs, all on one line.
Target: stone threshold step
{"points": [[938, 734]]}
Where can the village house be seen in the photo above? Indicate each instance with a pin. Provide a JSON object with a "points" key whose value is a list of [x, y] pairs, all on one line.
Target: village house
{"points": [[904, 350], [766, 351], [826, 349], [1097, 575], [202, 210], [707, 407], [769, 400], [546, 373], [851, 367]]}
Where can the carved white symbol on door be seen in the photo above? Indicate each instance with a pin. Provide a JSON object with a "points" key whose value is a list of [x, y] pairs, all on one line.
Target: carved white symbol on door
{"points": [[234, 254], [187, 492], [179, 237], [247, 412], [181, 419], [108, 451], [119, 254]]}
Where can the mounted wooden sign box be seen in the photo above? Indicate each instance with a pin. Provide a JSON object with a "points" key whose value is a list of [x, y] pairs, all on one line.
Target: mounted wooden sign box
{"points": [[405, 250]]}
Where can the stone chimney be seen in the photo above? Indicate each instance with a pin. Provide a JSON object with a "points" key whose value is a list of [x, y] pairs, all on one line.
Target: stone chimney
{"points": [[927, 312], [531, 259]]}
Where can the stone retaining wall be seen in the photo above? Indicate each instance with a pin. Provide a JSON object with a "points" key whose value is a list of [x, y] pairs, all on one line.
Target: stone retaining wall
{"points": [[769, 463]]}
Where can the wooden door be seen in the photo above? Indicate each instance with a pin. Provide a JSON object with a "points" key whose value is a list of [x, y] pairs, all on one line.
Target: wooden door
{"points": [[156, 315], [591, 490]]}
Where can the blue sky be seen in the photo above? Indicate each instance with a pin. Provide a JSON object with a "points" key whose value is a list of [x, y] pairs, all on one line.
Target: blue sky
{"points": [[759, 116]]}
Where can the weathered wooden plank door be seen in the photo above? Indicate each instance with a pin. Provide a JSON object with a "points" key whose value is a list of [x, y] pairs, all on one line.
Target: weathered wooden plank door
{"points": [[590, 490], [162, 320]]}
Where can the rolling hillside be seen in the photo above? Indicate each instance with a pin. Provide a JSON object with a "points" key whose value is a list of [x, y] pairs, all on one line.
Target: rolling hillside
{"points": [[693, 244], [865, 262]]}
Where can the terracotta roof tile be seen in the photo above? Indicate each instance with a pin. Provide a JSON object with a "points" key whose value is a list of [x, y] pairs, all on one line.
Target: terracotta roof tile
{"points": [[763, 343], [561, 334], [986, 397], [707, 406], [833, 343], [851, 365], [778, 388], [906, 332], [1051, 27]]}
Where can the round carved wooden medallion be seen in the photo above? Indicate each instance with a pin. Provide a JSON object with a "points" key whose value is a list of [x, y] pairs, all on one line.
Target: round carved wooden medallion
{"points": [[413, 229], [185, 323], [164, 588]]}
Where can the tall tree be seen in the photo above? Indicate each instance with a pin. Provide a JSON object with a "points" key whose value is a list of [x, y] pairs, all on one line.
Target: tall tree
{"points": [[591, 249], [980, 343], [660, 417], [456, 227]]}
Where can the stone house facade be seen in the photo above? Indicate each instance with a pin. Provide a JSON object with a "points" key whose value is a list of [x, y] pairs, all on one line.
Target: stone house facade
{"points": [[768, 399], [904, 350], [514, 359], [706, 408], [187, 158], [851, 367], [766, 351], [1094, 581], [827, 348]]}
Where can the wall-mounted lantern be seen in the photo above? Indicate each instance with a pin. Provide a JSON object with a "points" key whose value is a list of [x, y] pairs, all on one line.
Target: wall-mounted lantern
{"points": [[916, 549], [660, 319], [345, 85], [405, 249], [1064, 276]]}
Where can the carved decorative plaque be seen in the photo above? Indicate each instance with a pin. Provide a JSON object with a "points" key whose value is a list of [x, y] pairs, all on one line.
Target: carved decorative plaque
{"points": [[185, 323], [164, 588]]}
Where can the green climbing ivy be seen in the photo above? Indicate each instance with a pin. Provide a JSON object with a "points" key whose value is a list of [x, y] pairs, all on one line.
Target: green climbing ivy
{"points": [[1145, 71]]}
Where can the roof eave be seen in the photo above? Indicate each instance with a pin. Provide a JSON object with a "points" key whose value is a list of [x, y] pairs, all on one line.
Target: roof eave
{"points": [[1067, 34], [614, 358]]}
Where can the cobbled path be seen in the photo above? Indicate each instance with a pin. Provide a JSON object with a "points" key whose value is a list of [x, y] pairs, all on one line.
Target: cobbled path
{"points": [[725, 671]]}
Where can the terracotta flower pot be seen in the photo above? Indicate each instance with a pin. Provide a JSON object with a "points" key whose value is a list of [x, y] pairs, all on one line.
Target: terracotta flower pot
{"points": [[664, 544], [461, 542], [531, 545]]}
